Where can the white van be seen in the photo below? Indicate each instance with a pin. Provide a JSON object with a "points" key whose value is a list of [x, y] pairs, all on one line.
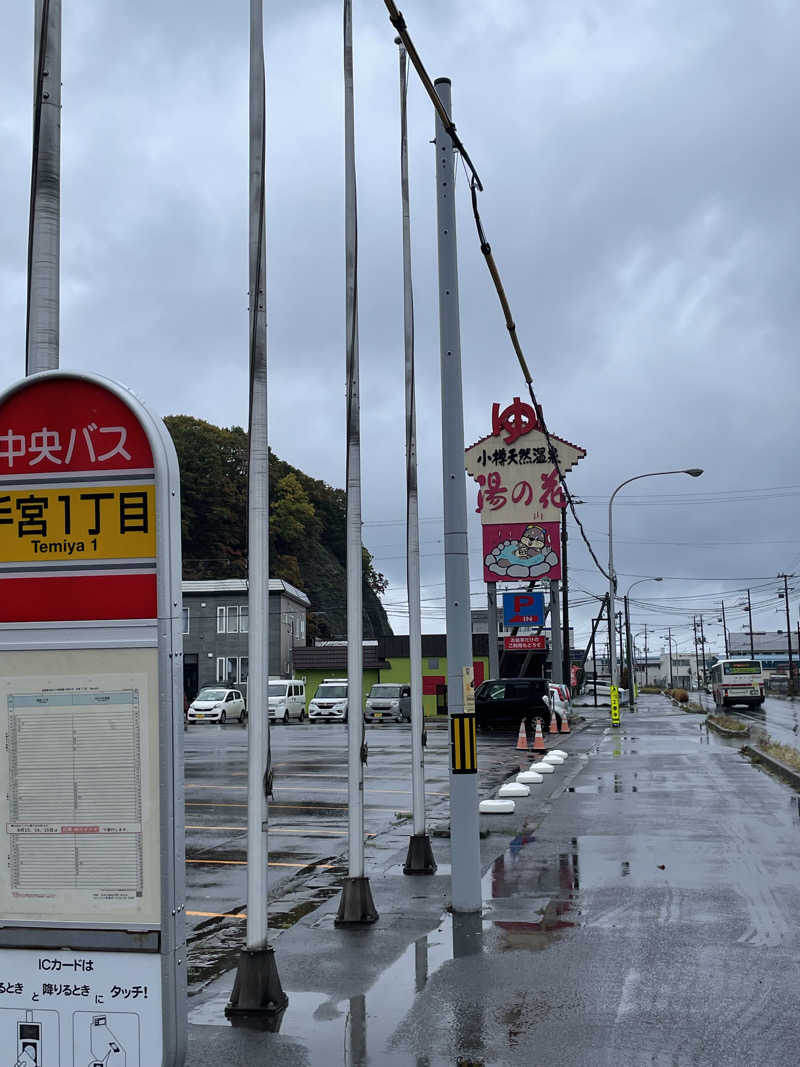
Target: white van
{"points": [[287, 699], [330, 701]]}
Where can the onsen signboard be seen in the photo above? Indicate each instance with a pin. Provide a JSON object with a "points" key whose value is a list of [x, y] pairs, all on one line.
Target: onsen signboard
{"points": [[91, 700]]}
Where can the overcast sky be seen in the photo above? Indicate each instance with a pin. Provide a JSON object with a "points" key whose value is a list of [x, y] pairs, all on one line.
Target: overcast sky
{"points": [[640, 165]]}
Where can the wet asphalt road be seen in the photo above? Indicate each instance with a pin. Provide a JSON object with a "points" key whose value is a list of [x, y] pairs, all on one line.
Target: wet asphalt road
{"points": [[641, 909], [308, 811], [780, 717]]}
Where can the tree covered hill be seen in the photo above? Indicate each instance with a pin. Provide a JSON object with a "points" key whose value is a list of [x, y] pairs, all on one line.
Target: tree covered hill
{"points": [[307, 545]]}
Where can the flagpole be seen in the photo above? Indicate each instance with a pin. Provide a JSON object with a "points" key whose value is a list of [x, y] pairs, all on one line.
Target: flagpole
{"points": [[355, 905], [44, 225], [257, 997], [420, 854]]}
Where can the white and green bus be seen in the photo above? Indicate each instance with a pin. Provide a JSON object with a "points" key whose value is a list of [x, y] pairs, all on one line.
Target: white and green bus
{"points": [[737, 681]]}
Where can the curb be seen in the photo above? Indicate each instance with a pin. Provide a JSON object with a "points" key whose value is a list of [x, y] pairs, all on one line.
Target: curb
{"points": [[783, 770], [724, 731]]}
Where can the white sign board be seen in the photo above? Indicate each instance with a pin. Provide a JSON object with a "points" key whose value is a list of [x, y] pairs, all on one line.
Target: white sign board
{"points": [[80, 1009], [78, 804]]}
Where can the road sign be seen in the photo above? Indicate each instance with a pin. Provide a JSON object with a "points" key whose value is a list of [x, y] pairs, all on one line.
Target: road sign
{"points": [[523, 609], [614, 690], [91, 700], [463, 744], [532, 643]]}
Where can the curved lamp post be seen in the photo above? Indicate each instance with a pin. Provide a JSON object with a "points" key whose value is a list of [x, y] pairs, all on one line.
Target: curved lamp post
{"points": [[693, 472], [628, 649]]}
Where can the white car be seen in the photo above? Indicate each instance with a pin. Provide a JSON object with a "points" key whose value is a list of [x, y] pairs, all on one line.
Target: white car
{"points": [[287, 699], [217, 703], [330, 701]]}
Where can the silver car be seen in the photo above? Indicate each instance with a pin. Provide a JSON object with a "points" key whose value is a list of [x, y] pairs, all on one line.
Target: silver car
{"points": [[388, 700]]}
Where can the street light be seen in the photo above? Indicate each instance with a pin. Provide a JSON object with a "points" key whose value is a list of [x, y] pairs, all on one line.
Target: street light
{"points": [[693, 472], [631, 667]]}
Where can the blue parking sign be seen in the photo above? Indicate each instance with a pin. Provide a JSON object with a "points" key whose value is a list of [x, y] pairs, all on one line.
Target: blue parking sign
{"points": [[523, 609]]}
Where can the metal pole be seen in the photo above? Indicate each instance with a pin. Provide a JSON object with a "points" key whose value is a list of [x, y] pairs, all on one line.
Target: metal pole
{"points": [[788, 631], [556, 657], [420, 854], [696, 652], [612, 591], [724, 629], [567, 672], [491, 629], [44, 225], [669, 638], [628, 650], [750, 618], [356, 905], [645, 654], [619, 618], [257, 991], [464, 825], [703, 648]]}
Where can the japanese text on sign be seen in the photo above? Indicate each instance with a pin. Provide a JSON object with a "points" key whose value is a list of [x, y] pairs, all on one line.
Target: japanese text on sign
{"points": [[103, 522], [95, 444]]}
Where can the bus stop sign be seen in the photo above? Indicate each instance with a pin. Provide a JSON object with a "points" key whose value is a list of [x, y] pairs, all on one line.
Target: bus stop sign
{"points": [[92, 944]]}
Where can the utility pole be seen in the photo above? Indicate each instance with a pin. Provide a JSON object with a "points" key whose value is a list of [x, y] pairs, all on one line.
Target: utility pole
{"points": [[356, 906], [44, 225], [645, 653], [491, 629], [703, 649], [788, 630], [257, 993], [464, 825], [750, 618], [567, 671], [725, 630], [556, 656], [629, 651], [696, 653], [621, 656], [419, 859], [669, 638]]}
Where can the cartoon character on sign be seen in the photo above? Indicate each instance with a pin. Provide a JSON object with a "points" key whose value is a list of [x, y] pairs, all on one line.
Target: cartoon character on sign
{"points": [[528, 556]]}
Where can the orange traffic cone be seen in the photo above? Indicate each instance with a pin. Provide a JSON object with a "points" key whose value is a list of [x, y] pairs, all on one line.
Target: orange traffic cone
{"points": [[564, 724], [522, 740], [553, 723], [538, 738]]}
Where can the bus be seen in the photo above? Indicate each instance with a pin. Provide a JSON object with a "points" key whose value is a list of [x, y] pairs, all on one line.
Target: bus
{"points": [[737, 681]]}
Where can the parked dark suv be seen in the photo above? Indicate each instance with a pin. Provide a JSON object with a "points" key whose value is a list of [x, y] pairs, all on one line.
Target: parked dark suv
{"points": [[502, 703]]}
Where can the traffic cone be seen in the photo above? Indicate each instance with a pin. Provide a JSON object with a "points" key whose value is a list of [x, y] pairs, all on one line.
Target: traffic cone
{"points": [[564, 724], [553, 723], [538, 738], [522, 740]]}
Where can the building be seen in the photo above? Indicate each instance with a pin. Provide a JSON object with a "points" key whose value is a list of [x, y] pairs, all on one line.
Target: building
{"points": [[388, 660], [216, 626]]}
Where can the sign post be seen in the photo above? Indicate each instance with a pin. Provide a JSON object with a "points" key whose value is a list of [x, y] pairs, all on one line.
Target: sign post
{"points": [[92, 941]]}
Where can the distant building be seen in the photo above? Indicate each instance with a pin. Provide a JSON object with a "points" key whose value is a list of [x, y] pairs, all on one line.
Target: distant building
{"points": [[216, 627]]}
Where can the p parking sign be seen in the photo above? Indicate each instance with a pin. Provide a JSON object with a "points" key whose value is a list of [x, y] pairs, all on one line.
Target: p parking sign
{"points": [[92, 944]]}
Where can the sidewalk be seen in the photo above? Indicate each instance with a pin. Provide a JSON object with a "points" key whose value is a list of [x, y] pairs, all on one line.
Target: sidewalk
{"points": [[640, 908]]}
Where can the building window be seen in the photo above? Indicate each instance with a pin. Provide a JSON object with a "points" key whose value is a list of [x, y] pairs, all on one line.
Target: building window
{"points": [[231, 619], [186, 620], [232, 670]]}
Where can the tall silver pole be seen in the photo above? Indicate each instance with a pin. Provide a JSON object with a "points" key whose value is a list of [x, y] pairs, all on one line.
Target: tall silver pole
{"points": [[356, 904], [257, 991], [556, 648], [464, 825], [420, 854], [491, 629], [258, 516], [44, 228]]}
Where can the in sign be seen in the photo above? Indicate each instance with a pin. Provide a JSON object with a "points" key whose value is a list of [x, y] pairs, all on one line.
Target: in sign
{"points": [[523, 609]]}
